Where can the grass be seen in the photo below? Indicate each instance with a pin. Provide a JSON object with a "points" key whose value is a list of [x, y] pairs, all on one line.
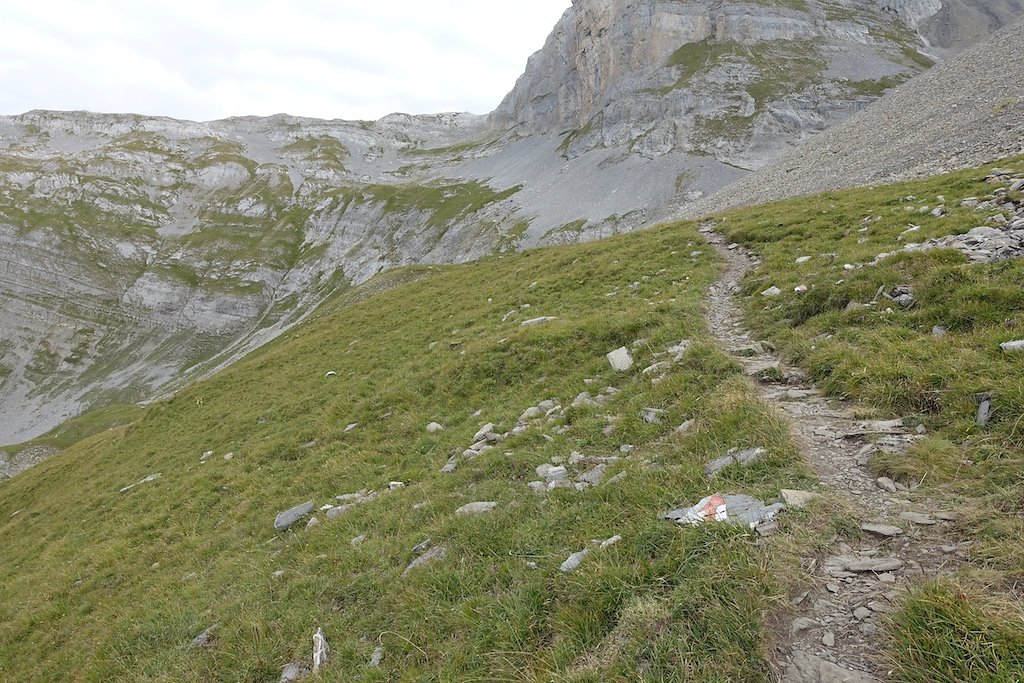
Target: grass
{"points": [[100, 585], [887, 359]]}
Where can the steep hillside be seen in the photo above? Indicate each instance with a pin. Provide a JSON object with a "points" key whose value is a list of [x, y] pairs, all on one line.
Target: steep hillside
{"points": [[964, 112], [491, 493], [138, 253]]}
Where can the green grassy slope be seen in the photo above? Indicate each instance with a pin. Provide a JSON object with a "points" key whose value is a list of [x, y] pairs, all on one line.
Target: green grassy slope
{"points": [[885, 356], [98, 585]]}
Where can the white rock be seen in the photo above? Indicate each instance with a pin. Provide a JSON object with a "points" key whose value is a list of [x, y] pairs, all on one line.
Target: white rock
{"points": [[377, 657], [435, 427], [537, 321], [476, 508], [321, 650], [574, 561], [531, 414], [1013, 346], [771, 292], [620, 359], [482, 434], [798, 499], [610, 542], [803, 259], [395, 485]]}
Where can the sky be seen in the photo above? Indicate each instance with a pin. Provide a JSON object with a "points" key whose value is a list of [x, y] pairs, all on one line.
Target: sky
{"points": [[210, 59]]}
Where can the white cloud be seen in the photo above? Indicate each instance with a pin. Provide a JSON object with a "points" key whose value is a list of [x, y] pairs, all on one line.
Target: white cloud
{"points": [[206, 59]]}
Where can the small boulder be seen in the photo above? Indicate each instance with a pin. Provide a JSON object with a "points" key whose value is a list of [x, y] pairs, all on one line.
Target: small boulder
{"points": [[771, 292], [620, 359], [476, 508], [289, 518], [1012, 346], [798, 499], [435, 427]]}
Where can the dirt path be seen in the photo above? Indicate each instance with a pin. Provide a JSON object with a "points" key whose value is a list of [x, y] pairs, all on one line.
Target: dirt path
{"points": [[835, 630]]}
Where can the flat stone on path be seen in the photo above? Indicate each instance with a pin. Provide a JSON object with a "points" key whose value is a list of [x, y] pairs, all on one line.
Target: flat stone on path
{"points": [[289, 518], [862, 565], [886, 530], [918, 518], [808, 668]]}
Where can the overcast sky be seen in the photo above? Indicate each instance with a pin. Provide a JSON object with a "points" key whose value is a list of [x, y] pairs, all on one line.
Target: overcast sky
{"points": [[208, 59]]}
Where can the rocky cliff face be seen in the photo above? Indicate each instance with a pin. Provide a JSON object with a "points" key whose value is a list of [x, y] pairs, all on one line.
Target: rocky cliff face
{"points": [[739, 82], [138, 252]]}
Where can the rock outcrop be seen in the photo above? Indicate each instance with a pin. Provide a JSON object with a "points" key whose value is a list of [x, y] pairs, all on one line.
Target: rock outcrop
{"points": [[963, 113]]}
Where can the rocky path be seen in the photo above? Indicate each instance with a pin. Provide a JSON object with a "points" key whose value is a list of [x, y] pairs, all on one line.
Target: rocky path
{"points": [[833, 633]]}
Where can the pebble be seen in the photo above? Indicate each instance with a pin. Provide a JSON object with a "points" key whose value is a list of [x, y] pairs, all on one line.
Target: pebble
{"points": [[377, 657], [435, 427], [358, 541], [292, 673], [828, 639], [771, 292], [861, 613], [206, 638]]}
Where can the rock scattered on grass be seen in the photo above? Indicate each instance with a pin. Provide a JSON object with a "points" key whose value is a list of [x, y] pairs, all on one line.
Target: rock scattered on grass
{"points": [[431, 555], [771, 292], [537, 321], [1012, 346], [574, 561], [321, 650], [798, 499], [745, 458], [292, 673], [435, 427], [289, 518], [620, 359], [476, 508], [377, 657], [206, 638], [152, 477]]}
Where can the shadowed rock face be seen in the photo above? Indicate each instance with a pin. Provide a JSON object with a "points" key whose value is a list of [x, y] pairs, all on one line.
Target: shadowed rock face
{"points": [[137, 253]]}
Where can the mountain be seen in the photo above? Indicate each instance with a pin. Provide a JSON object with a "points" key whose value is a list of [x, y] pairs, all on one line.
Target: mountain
{"points": [[139, 253], [962, 113]]}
